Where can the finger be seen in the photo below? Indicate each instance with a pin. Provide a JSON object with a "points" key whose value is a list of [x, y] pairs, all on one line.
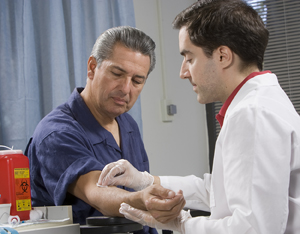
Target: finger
{"points": [[157, 203], [165, 211], [128, 215], [167, 216], [133, 214], [180, 192], [111, 174], [105, 171], [161, 192], [108, 169]]}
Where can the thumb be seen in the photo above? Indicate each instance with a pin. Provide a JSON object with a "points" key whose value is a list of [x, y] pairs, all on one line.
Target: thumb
{"points": [[162, 192], [136, 215]]}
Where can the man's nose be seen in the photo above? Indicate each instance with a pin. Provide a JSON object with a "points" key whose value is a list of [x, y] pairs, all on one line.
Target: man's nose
{"points": [[184, 71], [126, 85]]}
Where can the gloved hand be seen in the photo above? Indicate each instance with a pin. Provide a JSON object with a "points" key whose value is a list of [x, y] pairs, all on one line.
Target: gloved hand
{"points": [[123, 173], [145, 218]]}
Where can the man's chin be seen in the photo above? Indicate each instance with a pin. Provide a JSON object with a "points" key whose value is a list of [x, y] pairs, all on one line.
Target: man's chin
{"points": [[202, 101], [120, 110]]}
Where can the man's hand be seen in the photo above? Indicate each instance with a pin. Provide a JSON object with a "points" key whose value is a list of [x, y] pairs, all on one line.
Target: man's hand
{"points": [[123, 173], [145, 218], [163, 204]]}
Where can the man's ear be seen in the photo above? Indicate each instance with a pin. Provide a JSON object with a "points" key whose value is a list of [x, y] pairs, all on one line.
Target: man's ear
{"points": [[225, 56], [91, 67]]}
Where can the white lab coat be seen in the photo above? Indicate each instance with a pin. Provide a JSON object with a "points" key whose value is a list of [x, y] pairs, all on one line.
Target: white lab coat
{"points": [[255, 183]]}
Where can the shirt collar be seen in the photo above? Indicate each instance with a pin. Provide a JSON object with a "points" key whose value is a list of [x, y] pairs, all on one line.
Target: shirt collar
{"points": [[93, 129], [220, 116]]}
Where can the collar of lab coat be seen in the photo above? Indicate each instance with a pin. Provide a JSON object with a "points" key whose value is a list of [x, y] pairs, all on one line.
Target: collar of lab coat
{"points": [[266, 79], [221, 115]]}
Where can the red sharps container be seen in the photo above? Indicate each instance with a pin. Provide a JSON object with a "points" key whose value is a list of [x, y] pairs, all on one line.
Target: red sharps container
{"points": [[15, 182]]}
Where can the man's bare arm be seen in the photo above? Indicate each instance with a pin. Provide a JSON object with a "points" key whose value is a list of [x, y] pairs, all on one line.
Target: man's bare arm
{"points": [[108, 199]]}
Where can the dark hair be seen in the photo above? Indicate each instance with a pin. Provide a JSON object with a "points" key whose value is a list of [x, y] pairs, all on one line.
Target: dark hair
{"points": [[232, 23], [130, 37]]}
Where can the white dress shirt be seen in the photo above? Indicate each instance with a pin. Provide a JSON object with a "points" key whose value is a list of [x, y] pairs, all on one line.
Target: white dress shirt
{"points": [[255, 183]]}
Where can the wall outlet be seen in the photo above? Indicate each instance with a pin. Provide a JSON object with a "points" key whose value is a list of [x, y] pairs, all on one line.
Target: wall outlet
{"points": [[165, 110]]}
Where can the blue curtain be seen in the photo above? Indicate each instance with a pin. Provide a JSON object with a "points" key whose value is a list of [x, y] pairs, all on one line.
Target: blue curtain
{"points": [[44, 48]]}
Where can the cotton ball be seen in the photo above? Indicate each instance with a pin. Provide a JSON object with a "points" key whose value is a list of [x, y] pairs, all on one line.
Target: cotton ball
{"points": [[35, 215]]}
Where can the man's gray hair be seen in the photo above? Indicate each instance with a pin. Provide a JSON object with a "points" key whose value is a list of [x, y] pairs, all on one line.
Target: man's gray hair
{"points": [[130, 37]]}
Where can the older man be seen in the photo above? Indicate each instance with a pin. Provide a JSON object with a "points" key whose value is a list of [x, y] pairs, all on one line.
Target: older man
{"points": [[74, 142]]}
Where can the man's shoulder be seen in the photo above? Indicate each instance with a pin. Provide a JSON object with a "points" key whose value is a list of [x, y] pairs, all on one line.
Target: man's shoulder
{"points": [[59, 119]]}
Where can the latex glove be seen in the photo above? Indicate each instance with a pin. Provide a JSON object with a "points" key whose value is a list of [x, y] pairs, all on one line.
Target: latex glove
{"points": [[163, 204], [123, 173], [145, 218]]}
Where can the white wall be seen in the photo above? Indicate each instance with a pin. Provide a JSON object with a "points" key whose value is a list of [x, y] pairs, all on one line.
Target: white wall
{"points": [[179, 147]]}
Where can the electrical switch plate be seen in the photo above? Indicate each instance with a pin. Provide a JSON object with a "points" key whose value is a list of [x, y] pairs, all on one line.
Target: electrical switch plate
{"points": [[164, 110]]}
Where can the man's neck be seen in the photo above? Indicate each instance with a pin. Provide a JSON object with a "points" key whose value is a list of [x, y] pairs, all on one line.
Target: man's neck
{"points": [[106, 121], [234, 77]]}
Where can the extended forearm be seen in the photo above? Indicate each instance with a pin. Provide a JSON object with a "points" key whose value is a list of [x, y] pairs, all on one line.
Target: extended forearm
{"points": [[108, 200], [105, 199]]}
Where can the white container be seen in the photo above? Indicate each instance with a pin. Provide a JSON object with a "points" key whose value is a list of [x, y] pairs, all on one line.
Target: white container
{"points": [[4, 213]]}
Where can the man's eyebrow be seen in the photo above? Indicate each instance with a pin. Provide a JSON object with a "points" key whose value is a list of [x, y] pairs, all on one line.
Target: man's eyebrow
{"points": [[119, 68], [184, 52], [122, 70]]}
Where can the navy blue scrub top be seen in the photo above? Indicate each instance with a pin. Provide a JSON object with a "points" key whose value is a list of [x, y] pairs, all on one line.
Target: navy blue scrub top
{"points": [[69, 142]]}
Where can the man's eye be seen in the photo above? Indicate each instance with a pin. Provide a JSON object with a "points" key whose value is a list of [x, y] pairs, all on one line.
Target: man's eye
{"points": [[137, 82], [116, 74], [189, 60]]}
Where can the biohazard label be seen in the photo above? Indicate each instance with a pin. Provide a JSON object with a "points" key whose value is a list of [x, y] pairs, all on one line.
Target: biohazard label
{"points": [[23, 205], [22, 189]]}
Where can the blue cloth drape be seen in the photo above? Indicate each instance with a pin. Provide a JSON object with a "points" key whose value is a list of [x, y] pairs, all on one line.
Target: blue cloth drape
{"points": [[44, 48]]}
